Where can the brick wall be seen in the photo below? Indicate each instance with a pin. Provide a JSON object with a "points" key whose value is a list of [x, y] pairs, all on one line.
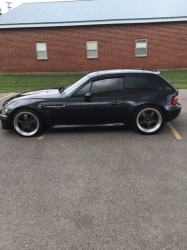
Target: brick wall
{"points": [[66, 47]]}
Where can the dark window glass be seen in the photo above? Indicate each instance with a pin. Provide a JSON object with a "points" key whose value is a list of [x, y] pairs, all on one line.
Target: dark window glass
{"points": [[83, 91], [107, 87], [141, 84], [165, 83]]}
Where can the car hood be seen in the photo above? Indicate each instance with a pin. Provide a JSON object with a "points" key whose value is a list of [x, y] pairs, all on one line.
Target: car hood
{"points": [[37, 94]]}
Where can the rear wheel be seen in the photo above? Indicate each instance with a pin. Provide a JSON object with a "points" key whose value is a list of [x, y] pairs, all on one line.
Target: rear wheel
{"points": [[27, 123], [148, 120]]}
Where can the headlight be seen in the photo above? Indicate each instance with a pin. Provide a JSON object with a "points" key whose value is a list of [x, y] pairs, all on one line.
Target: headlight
{"points": [[4, 111]]}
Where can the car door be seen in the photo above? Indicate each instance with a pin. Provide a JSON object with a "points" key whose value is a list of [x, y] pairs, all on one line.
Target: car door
{"points": [[103, 105], [107, 99], [81, 110]]}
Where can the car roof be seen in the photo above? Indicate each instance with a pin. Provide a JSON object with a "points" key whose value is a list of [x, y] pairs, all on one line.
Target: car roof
{"points": [[121, 71]]}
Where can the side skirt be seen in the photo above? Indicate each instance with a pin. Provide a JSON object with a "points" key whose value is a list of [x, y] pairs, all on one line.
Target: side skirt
{"points": [[87, 125]]}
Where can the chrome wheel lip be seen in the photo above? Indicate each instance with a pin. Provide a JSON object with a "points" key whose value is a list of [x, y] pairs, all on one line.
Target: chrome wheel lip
{"points": [[156, 127], [23, 132]]}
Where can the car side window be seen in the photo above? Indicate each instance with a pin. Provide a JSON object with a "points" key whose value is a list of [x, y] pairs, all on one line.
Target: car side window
{"points": [[141, 84], [107, 87], [83, 91]]}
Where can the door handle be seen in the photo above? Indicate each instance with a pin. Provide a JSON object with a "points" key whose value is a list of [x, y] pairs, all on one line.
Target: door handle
{"points": [[114, 103]]}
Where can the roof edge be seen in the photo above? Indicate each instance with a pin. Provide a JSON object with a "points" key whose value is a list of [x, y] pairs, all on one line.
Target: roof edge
{"points": [[135, 21]]}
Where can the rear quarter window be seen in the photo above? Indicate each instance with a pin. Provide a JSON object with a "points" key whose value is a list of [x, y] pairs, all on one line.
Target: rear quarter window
{"points": [[141, 84], [167, 85]]}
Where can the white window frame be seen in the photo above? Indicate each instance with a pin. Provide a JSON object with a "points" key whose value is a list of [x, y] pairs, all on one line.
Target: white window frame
{"points": [[138, 40], [90, 57], [40, 51]]}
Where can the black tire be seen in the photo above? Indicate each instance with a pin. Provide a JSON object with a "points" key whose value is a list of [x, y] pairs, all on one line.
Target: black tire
{"points": [[27, 123], [148, 120]]}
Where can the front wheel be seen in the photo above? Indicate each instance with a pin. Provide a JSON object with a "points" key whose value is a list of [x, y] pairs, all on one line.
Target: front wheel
{"points": [[27, 123], [148, 120]]}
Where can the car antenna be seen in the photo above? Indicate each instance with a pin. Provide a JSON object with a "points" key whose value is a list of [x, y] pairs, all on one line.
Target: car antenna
{"points": [[144, 66], [147, 61]]}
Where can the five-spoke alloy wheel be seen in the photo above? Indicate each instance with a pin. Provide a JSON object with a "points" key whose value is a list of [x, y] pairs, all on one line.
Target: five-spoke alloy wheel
{"points": [[27, 123], [148, 120]]}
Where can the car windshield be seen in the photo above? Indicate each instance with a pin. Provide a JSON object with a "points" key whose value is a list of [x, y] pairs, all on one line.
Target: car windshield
{"points": [[74, 86]]}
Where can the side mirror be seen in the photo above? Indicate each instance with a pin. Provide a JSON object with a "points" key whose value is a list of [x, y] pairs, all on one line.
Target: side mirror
{"points": [[88, 96]]}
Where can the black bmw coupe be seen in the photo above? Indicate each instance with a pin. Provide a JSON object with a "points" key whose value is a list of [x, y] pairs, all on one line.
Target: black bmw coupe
{"points": [[103, 98]]}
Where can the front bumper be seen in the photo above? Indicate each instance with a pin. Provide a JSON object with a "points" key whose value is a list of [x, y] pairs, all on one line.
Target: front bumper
{"points": [[5, 121], [172, 111]]}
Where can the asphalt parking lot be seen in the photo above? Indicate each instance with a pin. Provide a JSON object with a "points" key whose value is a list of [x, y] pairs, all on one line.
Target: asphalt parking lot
{"points": [[95, 189]]}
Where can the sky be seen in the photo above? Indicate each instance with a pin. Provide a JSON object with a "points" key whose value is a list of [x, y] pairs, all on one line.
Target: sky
{"points": [[15, 3]]}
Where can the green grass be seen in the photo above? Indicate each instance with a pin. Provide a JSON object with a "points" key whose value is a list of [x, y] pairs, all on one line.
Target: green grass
{"points": [[177, 77], [23, 83]]}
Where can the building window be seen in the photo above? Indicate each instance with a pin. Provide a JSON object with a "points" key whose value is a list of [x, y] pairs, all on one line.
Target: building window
{"points": [[141, 47], [92, 49], [41, 51]]}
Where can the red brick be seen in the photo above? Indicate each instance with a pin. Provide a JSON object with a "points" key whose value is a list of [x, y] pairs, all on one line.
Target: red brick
{"points": [[66, 47]]}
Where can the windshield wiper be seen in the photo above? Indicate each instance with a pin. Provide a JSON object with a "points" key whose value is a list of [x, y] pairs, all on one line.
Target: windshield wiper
{"points": [[61, 89]]}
